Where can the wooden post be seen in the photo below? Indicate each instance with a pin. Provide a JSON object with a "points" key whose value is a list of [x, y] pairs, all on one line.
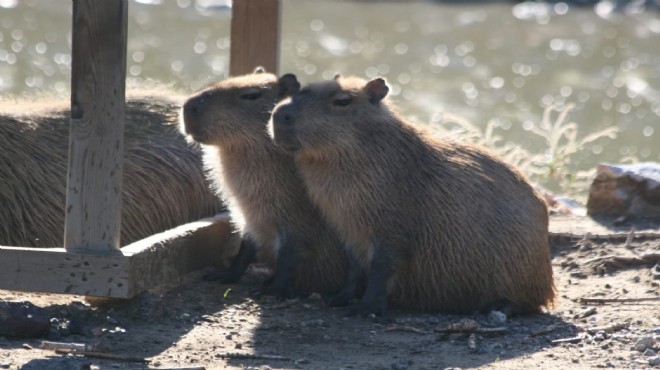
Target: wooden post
{"points": [[255, 36], [98, 74]]}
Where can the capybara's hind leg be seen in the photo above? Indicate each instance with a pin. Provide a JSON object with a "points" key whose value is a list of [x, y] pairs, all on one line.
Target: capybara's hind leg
{"points": [[246, 255], [374, 300], [356, 278]]}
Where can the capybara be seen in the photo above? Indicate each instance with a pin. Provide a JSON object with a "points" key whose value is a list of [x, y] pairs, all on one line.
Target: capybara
{"points": [[259, 183], [164, 184], [436, 225]]}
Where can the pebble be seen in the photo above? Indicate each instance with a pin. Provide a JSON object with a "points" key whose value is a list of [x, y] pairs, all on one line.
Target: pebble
{"points": [[644, 343], [650, 353], [654, 361], [497, 317]]}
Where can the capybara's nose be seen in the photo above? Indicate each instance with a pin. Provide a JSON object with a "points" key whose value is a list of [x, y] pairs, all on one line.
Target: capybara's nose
{"points": [[191, 108], [283, 116]]}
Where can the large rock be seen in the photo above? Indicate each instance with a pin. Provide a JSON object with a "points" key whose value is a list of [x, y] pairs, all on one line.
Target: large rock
{"points": [[631, 190]]}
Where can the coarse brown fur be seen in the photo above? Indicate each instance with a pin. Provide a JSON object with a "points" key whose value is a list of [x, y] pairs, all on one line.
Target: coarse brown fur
{"points": [[445, 226], [259, 181], [163, 185]]}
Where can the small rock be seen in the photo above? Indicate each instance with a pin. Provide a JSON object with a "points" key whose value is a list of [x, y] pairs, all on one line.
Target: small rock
{"points": [[497, 318], [644, 343], [650, 353], [301, 361], [654, 361]]}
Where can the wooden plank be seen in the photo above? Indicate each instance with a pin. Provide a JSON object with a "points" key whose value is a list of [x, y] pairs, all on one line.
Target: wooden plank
{"points": [[167, 257], [255, 36], [57, 271], [98, 74], [160, 259]]}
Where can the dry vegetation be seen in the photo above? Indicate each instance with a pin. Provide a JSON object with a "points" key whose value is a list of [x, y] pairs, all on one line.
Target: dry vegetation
{"points": [[552, 166]]}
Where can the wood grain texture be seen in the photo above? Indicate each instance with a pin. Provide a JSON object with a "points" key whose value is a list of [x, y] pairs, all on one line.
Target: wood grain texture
{"points": [[163, 258], [255, 36], [98, 74], [167, 257]]}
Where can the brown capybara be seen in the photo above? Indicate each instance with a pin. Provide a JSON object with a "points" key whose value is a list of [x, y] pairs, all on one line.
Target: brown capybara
{"points": [[163, 184], [436, 225], [259, 183]]}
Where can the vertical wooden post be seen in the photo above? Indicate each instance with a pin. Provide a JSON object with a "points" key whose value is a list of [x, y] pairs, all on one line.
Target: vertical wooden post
{"points": [[98, 74], [255, 36]]}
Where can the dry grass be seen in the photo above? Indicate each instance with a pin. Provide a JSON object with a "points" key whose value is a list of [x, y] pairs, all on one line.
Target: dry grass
{"points": [[552, 165]]}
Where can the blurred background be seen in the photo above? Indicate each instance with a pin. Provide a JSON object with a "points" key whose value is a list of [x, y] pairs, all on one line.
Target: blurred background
{"points": [[485, 70]]}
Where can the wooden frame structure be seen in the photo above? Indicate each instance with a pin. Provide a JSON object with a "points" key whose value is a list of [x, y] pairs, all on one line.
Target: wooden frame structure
{"points": [[92, 262]]}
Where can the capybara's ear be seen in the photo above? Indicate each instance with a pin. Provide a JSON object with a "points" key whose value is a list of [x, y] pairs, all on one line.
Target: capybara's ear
{"points": [[376, 90], [289, 84], [260, 69]]}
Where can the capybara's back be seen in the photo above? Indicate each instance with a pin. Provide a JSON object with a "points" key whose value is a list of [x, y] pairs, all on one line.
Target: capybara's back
{"points": [[437, 225], [164, 184]]}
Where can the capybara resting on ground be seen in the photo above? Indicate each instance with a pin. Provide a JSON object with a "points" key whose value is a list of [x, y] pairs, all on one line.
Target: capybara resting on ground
{"points": [[436, 225], [259, 182], [163, 185]]}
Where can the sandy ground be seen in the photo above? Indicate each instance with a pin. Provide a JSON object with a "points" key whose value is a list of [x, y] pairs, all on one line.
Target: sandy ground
{"points": [[200, 324]]}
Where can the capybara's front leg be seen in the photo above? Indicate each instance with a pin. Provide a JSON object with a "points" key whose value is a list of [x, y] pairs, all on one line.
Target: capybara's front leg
{"points": [[246, 255], [374, 300], [282, 283]]}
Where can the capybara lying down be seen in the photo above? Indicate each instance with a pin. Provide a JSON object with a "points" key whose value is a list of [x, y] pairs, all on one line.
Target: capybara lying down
{"points": [[436, 225], [259, 183], [164, 184]]}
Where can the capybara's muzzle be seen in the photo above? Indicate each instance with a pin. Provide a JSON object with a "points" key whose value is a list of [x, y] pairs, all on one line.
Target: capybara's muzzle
{"points": [[283, 130]]}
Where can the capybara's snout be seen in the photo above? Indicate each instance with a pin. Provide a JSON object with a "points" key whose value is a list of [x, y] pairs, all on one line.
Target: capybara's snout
{"points": [[192, 111], [283, 130]]}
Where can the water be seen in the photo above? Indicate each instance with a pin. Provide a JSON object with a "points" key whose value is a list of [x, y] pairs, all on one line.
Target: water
{"points": [[485, 62]]}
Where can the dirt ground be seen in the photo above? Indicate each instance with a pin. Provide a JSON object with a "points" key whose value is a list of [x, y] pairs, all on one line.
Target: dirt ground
{"points": [[200, 324]]}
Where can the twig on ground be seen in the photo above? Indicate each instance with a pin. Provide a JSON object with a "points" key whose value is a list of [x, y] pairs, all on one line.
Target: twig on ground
{"points": [[607, 328], [619, 261], [251, 356], [182, 368], [405, 328], [544, 330], [108, 356], [67, 346], [617, 300], [585, 313], [475, 330], [568, 340]]}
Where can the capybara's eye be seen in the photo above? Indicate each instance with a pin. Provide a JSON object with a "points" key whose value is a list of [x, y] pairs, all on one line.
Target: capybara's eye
{"points": [[342, 102], [252, 95]]}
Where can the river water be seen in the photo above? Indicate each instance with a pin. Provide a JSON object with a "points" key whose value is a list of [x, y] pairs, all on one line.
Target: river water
{"points": [[499, 62]]}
